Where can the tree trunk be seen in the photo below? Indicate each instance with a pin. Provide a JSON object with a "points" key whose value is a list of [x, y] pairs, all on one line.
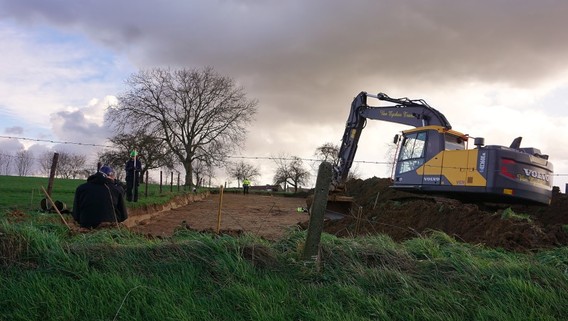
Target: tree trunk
{"points": [[188, 174]]}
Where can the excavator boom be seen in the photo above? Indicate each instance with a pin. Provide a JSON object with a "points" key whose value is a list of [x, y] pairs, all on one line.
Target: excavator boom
{"points": [[415, 113]]}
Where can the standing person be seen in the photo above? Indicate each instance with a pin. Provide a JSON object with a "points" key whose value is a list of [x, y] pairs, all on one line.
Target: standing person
{"points": [[133, 168], [246, 184], [99, 200]]}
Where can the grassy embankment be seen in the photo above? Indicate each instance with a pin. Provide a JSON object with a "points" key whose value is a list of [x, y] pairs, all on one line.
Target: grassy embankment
{"points": [[50, 273]]}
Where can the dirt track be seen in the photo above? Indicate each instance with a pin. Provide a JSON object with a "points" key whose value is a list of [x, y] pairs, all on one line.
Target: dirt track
{"points": [[266, 216]]}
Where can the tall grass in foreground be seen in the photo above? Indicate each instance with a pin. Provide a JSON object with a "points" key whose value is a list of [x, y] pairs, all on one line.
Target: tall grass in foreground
{"points": [[48, 273]]}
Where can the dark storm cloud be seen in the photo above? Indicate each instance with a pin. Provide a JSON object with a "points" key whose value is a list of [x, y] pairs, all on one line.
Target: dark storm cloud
{"points": [[306, 60], [296, 55], [502, 40]]}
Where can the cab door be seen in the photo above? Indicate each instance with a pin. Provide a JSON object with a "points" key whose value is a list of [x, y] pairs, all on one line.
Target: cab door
{"points": [[411, 157], [431, 170]]}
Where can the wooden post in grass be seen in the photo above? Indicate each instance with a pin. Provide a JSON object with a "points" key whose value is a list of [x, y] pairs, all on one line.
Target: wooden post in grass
{"points": [[358, 225], [318, 211], [52, 173], [376, 199], [146, 185], [220, 206]]}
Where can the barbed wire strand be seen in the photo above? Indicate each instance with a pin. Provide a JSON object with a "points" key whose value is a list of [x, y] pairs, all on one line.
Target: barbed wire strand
{"points": [[230, 156]]}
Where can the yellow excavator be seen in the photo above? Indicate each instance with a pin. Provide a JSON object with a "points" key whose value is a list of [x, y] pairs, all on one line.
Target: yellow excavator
{"points": [[432, 158]]}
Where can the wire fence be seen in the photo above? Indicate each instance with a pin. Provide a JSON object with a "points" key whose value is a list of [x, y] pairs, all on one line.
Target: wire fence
{"points": [[273, 158]]}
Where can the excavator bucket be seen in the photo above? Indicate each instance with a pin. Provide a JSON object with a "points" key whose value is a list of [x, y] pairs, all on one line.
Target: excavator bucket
{"points": [[338, 206]]}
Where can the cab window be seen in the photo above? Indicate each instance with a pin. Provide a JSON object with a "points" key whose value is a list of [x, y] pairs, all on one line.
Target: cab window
{"points": [[453, 142], [412, 152]]}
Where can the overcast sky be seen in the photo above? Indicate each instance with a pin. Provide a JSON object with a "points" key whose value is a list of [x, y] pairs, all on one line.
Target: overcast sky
{"points": [[497, 69]]}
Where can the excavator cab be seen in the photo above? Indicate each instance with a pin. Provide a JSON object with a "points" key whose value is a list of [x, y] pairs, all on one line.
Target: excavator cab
{"points": [[436, 160], [424, 151]]}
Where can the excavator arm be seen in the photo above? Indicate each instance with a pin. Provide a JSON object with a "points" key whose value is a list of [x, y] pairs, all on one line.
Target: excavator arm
{"points": [[415, 113]]}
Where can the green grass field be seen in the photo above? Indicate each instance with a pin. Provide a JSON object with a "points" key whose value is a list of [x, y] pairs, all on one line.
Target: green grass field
{"points": [[50, 273], [25, 193]]}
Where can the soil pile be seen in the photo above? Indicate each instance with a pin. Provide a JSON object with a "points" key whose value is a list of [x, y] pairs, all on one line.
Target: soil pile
{"points": [[381, 209]]}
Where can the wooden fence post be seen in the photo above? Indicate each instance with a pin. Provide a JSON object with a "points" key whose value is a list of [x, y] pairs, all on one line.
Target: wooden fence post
{"points": [[358, 224], [52, 173], [220, 206], [146, 185], [317, 211]]}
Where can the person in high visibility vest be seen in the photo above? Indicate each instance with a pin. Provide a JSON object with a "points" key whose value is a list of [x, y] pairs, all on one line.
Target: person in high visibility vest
{"points": [[246, 184], [133, 168]]}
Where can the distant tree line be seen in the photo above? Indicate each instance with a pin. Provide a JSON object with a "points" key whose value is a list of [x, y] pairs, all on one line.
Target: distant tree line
{"points": [[290, 172], [25, 163]]}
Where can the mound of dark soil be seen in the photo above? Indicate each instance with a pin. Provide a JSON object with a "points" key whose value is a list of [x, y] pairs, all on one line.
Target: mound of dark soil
{"points": [[380, 209]]}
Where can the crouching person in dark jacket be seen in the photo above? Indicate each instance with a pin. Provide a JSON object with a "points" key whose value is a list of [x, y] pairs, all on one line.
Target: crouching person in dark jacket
{"points": [[99, 200]]}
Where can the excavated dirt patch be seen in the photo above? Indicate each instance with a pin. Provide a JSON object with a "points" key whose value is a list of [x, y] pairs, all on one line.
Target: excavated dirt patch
{"points": [[403, 216], [382, 210]]}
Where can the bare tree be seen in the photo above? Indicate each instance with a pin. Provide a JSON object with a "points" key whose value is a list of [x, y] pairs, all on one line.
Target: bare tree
{"points": [[24, 162], [70, 165], [152, 151], [199, 114], [45, 160], [241, 170], [328, 152], [79, 161], [354, 173], [114, 158], [206, 177], [201, 170], [5, 163], [291, 172]]}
